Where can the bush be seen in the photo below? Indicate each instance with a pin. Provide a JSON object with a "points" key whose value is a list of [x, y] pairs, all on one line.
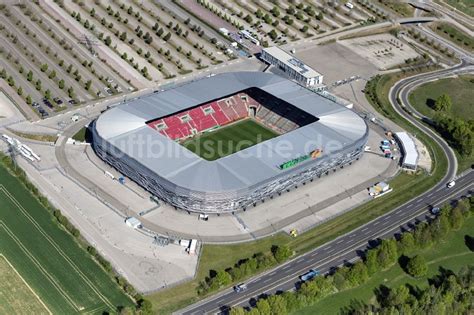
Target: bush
{"points": [[417, 267]]}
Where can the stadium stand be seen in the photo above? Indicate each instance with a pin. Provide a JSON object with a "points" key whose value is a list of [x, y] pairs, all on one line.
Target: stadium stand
{"points": [[250, 103]]}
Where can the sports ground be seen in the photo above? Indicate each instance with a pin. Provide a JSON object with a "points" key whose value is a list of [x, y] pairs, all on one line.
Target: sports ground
{"points": [[54, 274], [229, 139]]}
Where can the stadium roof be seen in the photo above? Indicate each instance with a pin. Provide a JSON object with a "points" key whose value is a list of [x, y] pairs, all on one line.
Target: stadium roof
{"points": [[125, 128]]}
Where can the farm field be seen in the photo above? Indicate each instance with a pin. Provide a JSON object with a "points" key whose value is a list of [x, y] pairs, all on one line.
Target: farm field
{"points": [[15, 294], [63, 275], [228, 140]]}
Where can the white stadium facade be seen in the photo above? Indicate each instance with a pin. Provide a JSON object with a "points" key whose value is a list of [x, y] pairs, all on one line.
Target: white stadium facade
{"points": [[324, 136]]}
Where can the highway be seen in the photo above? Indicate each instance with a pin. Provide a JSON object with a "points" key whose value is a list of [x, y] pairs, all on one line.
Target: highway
{"points": [[348, 247]]}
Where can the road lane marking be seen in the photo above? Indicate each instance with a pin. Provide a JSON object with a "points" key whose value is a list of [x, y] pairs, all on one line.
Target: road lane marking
{"points": [[331, 259], [364, 229]]}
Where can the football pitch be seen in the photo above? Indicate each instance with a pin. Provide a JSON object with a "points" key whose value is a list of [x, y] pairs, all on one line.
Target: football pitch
{"points": [[229, 139], [60, 275]]}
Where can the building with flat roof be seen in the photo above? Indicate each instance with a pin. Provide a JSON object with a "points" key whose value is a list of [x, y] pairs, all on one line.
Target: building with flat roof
{"points": [[408, 147], [292, 66]]}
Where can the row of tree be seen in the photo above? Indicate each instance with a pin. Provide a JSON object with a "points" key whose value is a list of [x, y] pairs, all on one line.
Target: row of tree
{"points": [[243, 268], [385, 255], [448, 293]]}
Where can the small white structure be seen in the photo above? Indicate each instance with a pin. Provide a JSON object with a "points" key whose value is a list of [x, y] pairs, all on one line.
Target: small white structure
{"points": [[379, 189], [224, 31], [293, 67], [133, 223], [349, 5], [409, 152], [192, 247]]}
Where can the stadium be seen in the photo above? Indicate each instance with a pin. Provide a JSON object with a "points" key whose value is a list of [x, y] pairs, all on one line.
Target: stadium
{"points": [[223, 143]]}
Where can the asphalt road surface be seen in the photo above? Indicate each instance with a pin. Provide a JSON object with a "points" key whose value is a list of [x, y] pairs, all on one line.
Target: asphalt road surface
{"points": [[349, 247]]}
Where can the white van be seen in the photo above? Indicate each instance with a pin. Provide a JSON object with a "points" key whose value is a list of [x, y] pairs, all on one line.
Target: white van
{"points": [[451, 184]]}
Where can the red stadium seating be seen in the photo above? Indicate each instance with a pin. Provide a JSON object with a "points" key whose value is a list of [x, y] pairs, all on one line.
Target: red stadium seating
{"points": [[219, 113]]}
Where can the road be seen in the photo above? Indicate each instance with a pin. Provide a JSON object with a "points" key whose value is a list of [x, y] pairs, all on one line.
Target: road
{"points": [[348, 247]]}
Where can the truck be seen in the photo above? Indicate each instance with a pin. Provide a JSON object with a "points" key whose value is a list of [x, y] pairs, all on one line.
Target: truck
{"points": [[309, 275]]}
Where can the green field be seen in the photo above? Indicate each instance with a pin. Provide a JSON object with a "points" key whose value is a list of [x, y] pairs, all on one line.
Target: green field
{"points": [[460, 89], [230, 139], [63, 275], [454, 34], [16, 296], [465, 6], [451, 254]]}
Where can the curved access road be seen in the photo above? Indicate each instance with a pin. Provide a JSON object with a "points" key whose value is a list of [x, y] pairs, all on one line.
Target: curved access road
{"points": [[348, 247]]}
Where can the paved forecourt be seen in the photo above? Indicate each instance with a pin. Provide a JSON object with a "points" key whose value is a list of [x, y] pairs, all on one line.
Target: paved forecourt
{"points": [[63, 275]]}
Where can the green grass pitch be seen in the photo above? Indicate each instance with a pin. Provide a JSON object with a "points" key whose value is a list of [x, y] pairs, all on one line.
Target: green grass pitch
{"points": [[63, 275], [229, 139]]}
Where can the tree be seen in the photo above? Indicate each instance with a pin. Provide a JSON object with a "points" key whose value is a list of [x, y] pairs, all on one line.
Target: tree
{"points": [[237, 311], [123, 36], [407, 242], [264, 307], [145, 307], [456, 218], [71, 92], [11, 81], [20, 91], [275, 11], [417, 266], [277, 305], [87, 85], [397, 296], [387, 253], [108, 40], [357, 274], [443, 103], [371, 261], [38, 84], [29, 76], [28, 99], [47, 94], [273, 34], [52, 74], [61, 84], [44, 67], [281, 253], [167, 37], [3, 74]]}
